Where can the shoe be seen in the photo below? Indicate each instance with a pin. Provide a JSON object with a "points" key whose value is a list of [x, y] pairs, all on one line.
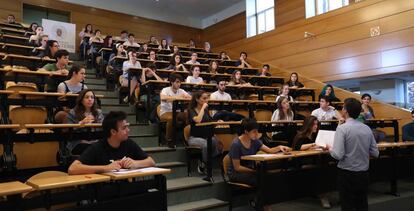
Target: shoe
{"points": [[325, 203], [200, 168], [125, 99]]}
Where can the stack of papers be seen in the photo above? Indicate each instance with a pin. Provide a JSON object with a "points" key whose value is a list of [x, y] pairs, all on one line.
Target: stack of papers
{"points": [[127, 171]]}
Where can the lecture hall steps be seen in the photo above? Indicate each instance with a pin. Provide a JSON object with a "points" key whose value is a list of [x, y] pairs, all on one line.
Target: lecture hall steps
{"points": [[184, 193]]}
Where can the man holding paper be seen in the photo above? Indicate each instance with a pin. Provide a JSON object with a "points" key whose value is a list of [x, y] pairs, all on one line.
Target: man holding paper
{"points": [[353, 144], [114, 152]]}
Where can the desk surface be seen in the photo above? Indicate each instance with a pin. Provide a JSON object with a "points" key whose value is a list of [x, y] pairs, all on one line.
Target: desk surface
{"points": [[9, 126], [280, 155], [152, 172], [49, 126], [12, 188], [239, 122], [66, 181], [395, 144]]}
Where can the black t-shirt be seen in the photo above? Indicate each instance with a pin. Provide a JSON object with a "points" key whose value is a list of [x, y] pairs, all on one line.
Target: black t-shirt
{"points": [[101, 153], [200, 132]]}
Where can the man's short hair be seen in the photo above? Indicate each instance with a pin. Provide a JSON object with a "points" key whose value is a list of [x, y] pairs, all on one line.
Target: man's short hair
{"points": [[174, 77], [111, 122], [130, 34], [61, 53], [326, 98], [243, 52], [353, 107], [267, 66], [124, 32], [248, 124], [194, 67]]}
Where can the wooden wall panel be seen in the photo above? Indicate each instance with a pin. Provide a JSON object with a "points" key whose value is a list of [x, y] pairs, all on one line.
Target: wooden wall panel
{"points": [[111, 23], [287, 11]]}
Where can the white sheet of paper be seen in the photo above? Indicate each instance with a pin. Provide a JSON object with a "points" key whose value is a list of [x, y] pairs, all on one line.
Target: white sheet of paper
{"points": [[127, 171], [325, 137]]}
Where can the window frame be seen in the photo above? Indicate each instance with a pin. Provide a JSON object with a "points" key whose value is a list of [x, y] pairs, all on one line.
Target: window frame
{"points": [[256, 17]]}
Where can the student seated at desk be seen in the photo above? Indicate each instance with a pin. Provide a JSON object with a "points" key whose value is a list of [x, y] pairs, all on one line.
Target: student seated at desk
{"points": [[176, 63], [367, 113], [131, 41], [224, 56], [150, 73], [176, 50], [198, 113], [98, 39], [305, 138], [12, 20], [75, 83], [284, 92], [84, 35], [107, 43], [39, 51], [164, 45], [51, 48], [167, 95], [34, 40], [61, 65], [408, 129], [152, 56], [329, 91], [248, 143], [144, 48], [242, 62], [191, 44], [221, 94], [236, 79], [195, 76], [282, 113], [213, 69], [153, 40], [114, 152], [32, 29], [193, 59], [294, 81], [115, 68], [124, 36], [207, 47], [264, 71], [131, 63], [85, 112], [326, 111]]}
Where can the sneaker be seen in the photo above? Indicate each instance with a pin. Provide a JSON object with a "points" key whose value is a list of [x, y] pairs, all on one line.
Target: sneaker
{"points": [[325, 203], [201, 169], [125, 99]]}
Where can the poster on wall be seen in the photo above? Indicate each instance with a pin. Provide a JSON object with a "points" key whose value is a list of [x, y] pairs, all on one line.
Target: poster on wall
{"points": [[64, 33]]}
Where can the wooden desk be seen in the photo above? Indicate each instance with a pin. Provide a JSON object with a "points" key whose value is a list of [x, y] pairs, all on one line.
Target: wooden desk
{"points": [[13, 188], [13, 191], [14, 39], [66, 181], [20, 49], [157, 171], [16, 26]]}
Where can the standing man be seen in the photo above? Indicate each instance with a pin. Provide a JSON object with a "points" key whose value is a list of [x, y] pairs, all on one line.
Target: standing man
{"points": [[353, 144]]}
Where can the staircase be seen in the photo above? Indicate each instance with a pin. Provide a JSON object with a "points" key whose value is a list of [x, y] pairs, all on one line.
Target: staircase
{"points": [[184, 193]]}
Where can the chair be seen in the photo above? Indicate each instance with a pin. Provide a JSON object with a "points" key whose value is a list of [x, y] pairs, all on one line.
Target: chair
{"points": [[30, 87], [191, 151], [253, 97], [269, 97], [233, 188], [263, 115], [243, 112]]}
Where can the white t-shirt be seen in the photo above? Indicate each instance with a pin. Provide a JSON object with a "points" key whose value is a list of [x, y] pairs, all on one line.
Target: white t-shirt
{"points": [[191, 79], [134, 44], [330, 114], [219, 96], [191, 62], [126, 65], [167, 91]]}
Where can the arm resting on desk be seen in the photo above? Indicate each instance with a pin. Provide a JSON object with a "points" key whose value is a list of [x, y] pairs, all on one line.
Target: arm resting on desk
{"points": [[239, 168], [78, 168], [272, 150], [148, 162]]}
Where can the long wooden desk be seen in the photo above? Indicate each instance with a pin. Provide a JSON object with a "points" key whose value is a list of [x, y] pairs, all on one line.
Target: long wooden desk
{"points": [[10, 48], [66, 181], [13, 191], [14, 39]]}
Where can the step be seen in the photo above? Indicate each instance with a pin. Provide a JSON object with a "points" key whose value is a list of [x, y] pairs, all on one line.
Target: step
{"points": [[95, 81], [117, 107], [145, 141], [143, 130], [178, 169], [109, 100], [165, 154], [106, 93], [206, 204], [188, 189], [96, 86]]}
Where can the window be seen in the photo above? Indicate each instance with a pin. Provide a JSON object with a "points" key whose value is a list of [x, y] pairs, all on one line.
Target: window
{"points": [[260, 16], [317, 7], [33, 13]]}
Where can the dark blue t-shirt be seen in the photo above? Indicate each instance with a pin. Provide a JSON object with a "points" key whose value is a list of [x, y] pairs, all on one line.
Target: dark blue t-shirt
{"points": [[237, 150]]}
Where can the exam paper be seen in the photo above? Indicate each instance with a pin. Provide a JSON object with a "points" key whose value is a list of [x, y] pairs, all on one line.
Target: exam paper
{"points": [[325, 137]]}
